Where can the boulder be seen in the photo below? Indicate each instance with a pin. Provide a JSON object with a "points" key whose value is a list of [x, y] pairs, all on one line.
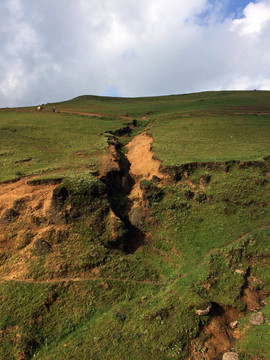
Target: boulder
{"points": [[256, 318], [204, 311], [118, 231], [234, 324], [229, 355], [137, 217]]}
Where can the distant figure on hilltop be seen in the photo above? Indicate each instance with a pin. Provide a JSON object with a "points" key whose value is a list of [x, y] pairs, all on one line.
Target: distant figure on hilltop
{"points": [[53, 109]]}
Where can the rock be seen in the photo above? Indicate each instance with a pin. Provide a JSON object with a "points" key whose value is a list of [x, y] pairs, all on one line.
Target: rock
{"points": [[234, 324], [256, 319], [118, 231], [239, 271], [137, 217], [205, 311], [24, 240], [41, 247], [230, 356], [3, 256], [9, 216]]}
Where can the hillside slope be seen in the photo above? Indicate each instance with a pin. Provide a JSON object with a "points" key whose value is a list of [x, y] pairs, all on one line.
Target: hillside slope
{"points": [[136, 228]]}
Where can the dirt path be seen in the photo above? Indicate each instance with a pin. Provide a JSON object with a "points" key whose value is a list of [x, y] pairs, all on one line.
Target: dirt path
{"points": [[80, 113], [85, 113], [79, 279]]}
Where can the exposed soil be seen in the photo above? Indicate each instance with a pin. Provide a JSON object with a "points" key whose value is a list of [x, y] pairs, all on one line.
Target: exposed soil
{"points": [[109, 162], [122, 174], [143, 165], [220, 334], [20, 192], [80, 113], [141, 158], [23, 217], [77, 279], [86, 113]]}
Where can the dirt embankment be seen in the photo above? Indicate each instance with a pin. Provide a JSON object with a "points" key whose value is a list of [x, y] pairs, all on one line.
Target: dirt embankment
{"points": [[19, 193], [23, 217]]}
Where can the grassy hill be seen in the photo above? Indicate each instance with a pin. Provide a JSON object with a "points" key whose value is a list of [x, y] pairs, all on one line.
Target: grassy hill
{"points": [[112, 248]]}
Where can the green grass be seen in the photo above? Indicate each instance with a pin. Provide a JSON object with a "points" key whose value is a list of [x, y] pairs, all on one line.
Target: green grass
{"points": [[211, 138], [34, 143], [223, 101]]}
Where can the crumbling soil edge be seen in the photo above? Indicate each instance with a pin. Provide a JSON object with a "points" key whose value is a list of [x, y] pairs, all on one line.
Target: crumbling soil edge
{"points": [[182, 171]]}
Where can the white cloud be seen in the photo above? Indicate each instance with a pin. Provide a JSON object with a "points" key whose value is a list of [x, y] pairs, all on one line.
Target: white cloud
{"points": [[54, 50], [256, 16]]}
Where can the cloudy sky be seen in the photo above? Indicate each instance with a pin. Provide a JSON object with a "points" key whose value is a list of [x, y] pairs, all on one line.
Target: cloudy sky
{"points": [[53, 50]]}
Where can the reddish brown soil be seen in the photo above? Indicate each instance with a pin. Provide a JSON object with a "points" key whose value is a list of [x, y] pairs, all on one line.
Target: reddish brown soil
{"points": [[80, 113], [141, 158], [109, 162], [86, 113], [37, 196], [218, 336], [31, 203]]}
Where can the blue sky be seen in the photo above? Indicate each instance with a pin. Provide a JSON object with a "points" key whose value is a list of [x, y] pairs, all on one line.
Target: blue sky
{"points": [[56, 50], [111, 91], [223, 9], [235, 7]]}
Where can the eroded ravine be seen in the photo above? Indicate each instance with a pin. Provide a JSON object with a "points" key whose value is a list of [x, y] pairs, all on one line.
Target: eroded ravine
{"points": [[122, 175]]}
